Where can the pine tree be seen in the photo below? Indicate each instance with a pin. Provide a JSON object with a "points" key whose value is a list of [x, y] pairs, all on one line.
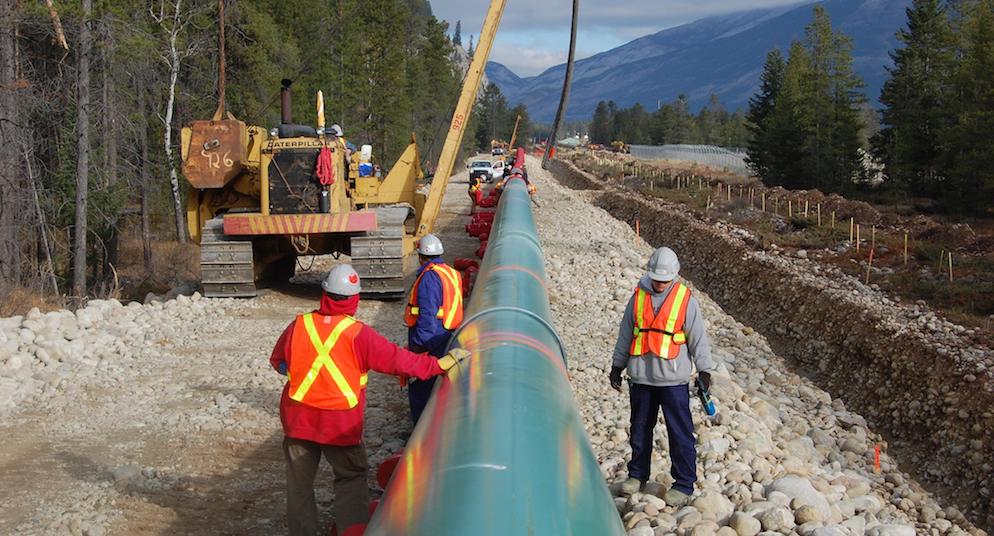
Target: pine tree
{"points": [[832, 107], [471, 49], [600, 126], [761, 106], [788, 124], [457, 36], [495, 122], [434, 88], [681, 125], [969, 141], [525, 130], [914, 112]]}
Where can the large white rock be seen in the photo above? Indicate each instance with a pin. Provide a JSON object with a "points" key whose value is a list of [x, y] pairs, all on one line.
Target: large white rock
{"points": [[744, 524], [799, 489], [778, 519], [891, 530], [713, 505]]}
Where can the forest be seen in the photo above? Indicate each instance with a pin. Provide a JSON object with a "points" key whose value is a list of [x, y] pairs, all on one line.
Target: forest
{"points": [[94, 94]]}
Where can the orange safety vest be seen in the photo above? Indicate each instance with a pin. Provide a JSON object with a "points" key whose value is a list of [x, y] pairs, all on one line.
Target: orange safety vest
{"points": [[324, 371], [661, 334], [450, 313]]}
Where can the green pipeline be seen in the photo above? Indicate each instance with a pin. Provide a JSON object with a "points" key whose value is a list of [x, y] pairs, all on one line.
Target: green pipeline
{"points": [[501, 449]]}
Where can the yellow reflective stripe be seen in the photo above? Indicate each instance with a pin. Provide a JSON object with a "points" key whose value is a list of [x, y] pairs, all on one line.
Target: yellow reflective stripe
{"points": [[363, 380], [449, 273], [639, 311], [674, 314], [414, 310], [324, 360]]}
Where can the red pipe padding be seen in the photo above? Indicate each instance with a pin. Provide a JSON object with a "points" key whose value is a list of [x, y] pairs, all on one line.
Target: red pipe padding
{"points": [[386, 469]]}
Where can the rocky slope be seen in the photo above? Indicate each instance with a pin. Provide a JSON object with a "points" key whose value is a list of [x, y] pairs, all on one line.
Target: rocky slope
{"points": [[782, 456], [162, 418]]}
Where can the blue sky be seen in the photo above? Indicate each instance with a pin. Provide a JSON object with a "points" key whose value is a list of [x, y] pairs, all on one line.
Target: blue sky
{"points": [[534, 34]]}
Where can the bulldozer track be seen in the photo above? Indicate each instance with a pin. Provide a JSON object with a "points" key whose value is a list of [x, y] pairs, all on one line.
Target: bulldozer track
{"points": [[226, 268], [378, 256]]}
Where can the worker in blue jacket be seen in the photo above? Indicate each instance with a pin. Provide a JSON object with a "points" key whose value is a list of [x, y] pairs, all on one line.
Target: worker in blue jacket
{"points": [[434, 311]]}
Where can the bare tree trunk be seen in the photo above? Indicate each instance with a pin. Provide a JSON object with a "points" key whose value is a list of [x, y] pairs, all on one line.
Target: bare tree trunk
{"points": [[174, 66], [60, 35], [10, 253], [109, 144], [42, 225], [109, 122], [145, 178], [83, 153]]}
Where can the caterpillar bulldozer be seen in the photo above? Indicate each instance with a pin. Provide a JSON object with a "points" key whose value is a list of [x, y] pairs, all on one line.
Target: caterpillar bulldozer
{"points": [[255, 202]]}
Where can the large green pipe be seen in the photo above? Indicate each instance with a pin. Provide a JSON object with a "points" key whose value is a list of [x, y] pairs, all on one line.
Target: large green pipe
{"points": [[501, 449]]}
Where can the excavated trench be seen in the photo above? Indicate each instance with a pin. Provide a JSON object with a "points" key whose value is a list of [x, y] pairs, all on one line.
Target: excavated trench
{"points": [[917, 381]]}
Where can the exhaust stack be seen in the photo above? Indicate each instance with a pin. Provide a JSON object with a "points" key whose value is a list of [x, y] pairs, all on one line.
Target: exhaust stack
{"points": [[286, 110]]}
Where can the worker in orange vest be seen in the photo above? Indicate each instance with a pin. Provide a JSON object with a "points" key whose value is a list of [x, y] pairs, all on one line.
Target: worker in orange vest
{"points": [[475, 190], [325, 356], [434, 311], [660, 341]]}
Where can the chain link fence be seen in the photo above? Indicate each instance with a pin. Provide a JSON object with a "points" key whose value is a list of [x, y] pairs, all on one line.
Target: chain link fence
{"points": [[708, 155]]}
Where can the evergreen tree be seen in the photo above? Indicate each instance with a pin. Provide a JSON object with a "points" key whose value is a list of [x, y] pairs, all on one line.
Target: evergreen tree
{"points": [[970, 139], [601, 125], [761, 106], [681, 125], [832, 107], [525, 129], [914, 113], [806, 133], [457, 36], [495, 121], [788, 124]]}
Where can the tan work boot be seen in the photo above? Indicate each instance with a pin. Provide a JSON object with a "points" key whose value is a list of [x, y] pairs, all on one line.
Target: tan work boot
{"points": [[631, 486], [675, 497]]}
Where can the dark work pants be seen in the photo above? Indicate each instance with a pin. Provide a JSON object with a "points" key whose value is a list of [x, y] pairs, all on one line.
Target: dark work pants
{"points": [[675, 402], [418, 393], [351, 491]]}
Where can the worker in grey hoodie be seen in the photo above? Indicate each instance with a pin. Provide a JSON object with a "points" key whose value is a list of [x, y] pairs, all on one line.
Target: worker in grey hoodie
{"points": [[660, 340]]}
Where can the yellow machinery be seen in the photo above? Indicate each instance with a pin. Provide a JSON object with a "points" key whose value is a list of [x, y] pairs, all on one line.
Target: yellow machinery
{"points": [[255, 204], [620, 147]]}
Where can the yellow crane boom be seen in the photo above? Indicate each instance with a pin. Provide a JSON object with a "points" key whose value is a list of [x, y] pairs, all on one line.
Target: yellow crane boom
{"points": [[460, 118]]}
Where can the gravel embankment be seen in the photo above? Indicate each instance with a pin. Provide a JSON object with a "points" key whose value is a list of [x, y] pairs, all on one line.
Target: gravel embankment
{"points": [[782, 456]]}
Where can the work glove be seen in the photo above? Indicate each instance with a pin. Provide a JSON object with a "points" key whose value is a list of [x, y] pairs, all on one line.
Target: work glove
{"points": [[705, 380], [281, 368], [615, 377], [454, 357]]}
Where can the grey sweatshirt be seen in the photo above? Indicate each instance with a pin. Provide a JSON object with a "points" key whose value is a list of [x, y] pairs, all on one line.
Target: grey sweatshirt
{"points": [[649, 368]]}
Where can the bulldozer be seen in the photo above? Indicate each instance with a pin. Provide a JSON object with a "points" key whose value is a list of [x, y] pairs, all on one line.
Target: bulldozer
{"points": [[256, 202]]}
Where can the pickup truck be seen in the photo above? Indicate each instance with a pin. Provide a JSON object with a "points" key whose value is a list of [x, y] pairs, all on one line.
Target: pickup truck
{"points": [[486, 170]]}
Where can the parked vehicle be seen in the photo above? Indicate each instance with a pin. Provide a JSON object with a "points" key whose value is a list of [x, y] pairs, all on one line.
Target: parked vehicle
{"points": [[486, 170]]}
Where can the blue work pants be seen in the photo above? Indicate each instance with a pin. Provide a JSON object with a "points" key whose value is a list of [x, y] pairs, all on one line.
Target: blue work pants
{"points": [[418, 394], [675, 402]]}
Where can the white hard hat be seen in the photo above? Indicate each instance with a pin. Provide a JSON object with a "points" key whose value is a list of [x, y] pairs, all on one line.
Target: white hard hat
{"points": [[430, 246], [342, 280], [336, 130], [663, 265]]}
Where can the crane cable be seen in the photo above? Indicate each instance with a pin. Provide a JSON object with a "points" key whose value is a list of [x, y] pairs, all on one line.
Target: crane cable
{"points": [[566, 86]]}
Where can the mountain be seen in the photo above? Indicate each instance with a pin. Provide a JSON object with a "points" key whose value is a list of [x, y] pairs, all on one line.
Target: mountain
{"points": [[505, 78], [723, 55]]}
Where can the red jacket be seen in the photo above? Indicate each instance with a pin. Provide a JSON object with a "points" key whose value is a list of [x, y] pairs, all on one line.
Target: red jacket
{"points": [[344, 427]]}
